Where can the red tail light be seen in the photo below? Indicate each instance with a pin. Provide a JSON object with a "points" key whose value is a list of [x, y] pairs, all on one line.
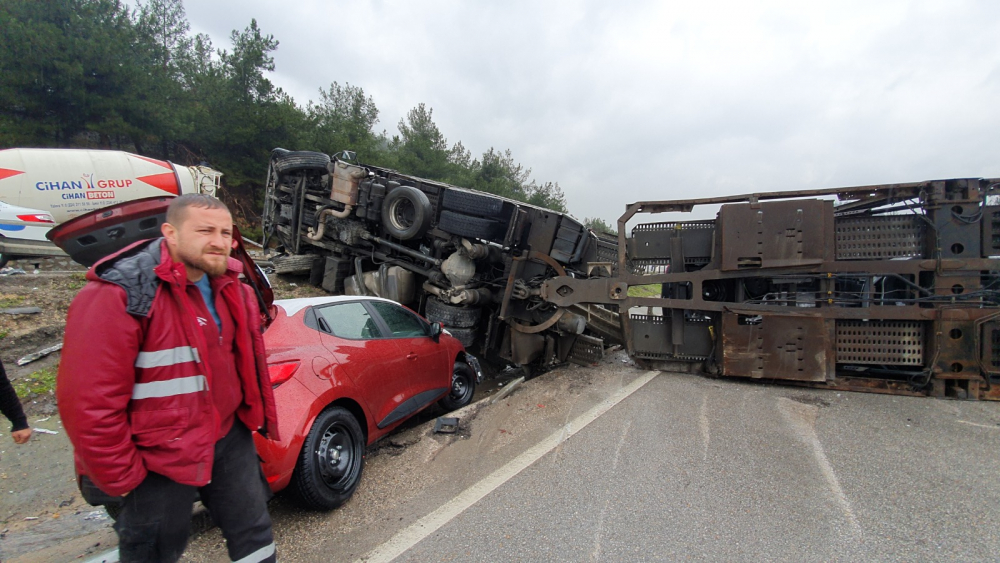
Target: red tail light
{"points": [[37, 218], [281, 373]]}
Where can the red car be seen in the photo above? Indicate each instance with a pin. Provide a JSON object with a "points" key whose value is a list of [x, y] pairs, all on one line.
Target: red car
{"points": [[346, 371]]}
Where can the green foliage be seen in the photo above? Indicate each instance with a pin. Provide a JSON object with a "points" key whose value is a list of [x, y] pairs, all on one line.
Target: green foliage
{"points": [[649, 290], [96, 73], [41, 382], [599, 225]]}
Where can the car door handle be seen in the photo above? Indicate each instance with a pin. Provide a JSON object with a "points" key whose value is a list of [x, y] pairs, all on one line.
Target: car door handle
{"points": [[411, 356]]}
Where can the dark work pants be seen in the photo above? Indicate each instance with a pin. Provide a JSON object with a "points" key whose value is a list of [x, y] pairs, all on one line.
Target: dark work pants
{"points": [[155, 519]]}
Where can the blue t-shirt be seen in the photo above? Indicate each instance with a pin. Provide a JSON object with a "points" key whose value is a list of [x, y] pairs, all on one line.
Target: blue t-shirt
{"points": [[205, 286]]}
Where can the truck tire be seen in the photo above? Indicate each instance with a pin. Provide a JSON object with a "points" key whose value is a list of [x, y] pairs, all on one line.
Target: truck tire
{"points": [[451, 315], [467, 336], [468, 226], [300, 160], [294, 264], [406, 213], [470, 203]]}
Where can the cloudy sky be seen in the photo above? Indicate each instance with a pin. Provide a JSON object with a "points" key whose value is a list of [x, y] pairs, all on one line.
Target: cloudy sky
{"points": [[638, 100]]}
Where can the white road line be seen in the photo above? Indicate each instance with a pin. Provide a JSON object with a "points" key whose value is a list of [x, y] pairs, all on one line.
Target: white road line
{"points": [[429, 524]]}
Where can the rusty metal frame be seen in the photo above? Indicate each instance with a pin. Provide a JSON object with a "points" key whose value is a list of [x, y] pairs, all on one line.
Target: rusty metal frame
{"points": [[792, 236]]}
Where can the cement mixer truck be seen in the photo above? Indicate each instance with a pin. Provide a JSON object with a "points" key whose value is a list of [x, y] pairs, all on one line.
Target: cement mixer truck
{"points": [[41, 188]]}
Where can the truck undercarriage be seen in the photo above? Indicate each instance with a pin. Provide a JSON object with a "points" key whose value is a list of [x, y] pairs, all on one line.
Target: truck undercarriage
{"points": [[890, 288]]}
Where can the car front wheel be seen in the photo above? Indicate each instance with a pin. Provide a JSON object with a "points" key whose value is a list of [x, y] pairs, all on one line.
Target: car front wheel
{"points": [[331, 462], [463, 387]]}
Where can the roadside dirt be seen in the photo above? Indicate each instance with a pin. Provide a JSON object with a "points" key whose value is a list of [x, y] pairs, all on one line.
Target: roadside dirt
{"points": [[40, 505]]}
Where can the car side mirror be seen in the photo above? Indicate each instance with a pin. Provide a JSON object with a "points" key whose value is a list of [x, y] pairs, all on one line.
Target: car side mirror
{"points": [[436, 329]]}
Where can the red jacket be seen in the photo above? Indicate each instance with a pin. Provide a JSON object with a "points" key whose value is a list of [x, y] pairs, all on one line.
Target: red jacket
{"points": [[133, 390]]}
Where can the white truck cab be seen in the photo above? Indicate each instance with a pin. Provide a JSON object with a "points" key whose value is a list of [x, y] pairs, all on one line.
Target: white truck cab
{"points": [[41, 188]]}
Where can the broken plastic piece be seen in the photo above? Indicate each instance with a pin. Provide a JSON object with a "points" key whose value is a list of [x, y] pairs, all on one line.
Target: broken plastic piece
{"points": [[446, 425]]}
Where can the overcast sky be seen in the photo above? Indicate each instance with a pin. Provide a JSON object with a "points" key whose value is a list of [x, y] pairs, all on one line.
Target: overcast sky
{"points": [[649, 100]]}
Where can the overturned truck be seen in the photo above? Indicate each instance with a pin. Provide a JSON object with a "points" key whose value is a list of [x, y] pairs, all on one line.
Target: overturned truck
{"points": [[889, 288], [473, 261]]}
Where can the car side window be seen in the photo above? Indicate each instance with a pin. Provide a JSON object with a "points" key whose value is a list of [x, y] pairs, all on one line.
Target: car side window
{"points": [[401, 323], [348, 320]]}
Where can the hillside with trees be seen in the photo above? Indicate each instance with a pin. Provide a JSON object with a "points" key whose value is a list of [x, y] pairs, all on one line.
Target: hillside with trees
{"points": [[97, 74]]}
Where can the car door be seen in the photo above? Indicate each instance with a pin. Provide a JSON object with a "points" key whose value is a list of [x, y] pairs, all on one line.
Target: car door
{"points": [[425, 360], [356, 340]]}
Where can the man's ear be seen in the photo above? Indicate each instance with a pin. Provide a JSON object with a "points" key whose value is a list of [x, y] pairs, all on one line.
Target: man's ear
{"points": [[169, 233]]}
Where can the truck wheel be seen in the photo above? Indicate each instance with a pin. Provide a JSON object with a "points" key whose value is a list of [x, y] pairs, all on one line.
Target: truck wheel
{"points": [[463, 387], [294, 264], [468, 226], [300, 160], [467, 336], [472, 203], [406, 213], [331, 461], [451, 315]]}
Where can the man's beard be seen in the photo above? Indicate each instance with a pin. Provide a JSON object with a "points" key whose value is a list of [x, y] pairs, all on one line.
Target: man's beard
{"points": [[201, 262]]}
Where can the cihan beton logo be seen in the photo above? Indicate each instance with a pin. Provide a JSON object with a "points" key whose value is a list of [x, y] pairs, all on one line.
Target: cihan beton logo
{"points": [[89, 188]]}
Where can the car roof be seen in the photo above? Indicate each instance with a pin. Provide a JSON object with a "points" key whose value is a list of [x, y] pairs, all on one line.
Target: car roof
{"points": [[293, 306]]}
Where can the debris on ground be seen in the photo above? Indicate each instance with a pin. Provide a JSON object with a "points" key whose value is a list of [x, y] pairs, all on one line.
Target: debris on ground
{"points": [[9, 271], [508, 389], [446, 425], [21, 311], [39, 354]]}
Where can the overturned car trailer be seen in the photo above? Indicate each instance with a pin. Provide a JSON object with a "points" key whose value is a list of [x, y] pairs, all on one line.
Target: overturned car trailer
{"points": [[890, 288]]}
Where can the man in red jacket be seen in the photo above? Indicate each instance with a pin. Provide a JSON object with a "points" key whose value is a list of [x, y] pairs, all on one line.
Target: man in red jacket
{"points": [[162, 379]]}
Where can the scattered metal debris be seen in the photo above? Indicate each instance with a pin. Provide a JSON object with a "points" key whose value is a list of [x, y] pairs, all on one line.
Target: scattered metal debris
{"points": [[21, 311], [39, 354], [446, 425], [508, 389], [45, 431]]}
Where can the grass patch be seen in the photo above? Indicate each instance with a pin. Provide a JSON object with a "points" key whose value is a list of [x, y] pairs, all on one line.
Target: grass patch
{"points": [[648, 290], [77, 281], [8, 301], [41, 382]]}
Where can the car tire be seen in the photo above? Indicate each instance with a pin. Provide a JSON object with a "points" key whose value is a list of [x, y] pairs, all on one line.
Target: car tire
{"points": [[463, 387], [451, 315], [294, 264], [406, 213], [300, 160], [4, 258], [467, 336], [471, 203], [331, 461], [468, 226]]}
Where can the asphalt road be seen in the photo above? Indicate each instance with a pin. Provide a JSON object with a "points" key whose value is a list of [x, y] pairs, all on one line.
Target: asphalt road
{"points": [[693, 469], [618, 464]]}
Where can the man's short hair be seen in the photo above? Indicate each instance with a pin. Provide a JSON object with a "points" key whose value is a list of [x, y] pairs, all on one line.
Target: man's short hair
{"points": [[177, 210]]}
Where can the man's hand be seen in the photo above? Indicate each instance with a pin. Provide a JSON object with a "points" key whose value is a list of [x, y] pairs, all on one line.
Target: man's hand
{"points": [[21, 436]]}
